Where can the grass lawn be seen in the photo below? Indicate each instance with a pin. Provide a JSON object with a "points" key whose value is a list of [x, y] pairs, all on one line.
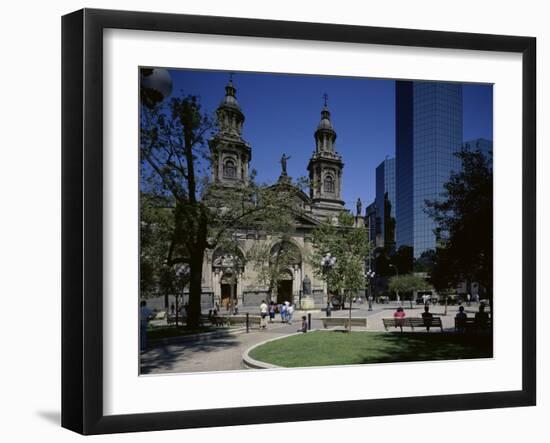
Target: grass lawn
{"points": [[155, 332], [340, 348]]}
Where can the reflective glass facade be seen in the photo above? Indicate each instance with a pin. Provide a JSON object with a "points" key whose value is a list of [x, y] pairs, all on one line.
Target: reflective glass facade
{"points": [[372, 224], [428, 133], [385, 184]]}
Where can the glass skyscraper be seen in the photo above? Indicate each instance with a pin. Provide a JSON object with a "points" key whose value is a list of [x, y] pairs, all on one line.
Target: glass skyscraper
{"points": [[372, 224], [428, 133], [385, 209]]}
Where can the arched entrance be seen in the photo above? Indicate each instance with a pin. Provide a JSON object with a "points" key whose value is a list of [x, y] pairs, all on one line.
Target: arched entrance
{"points": [[228, 285], [284, 287], [286, 265], [227, 267]]}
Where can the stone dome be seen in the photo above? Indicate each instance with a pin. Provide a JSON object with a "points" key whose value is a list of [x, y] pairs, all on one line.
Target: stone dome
{"points": [[230, 101], [325, 124]]}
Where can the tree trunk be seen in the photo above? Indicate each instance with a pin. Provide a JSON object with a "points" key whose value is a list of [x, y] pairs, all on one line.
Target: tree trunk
{"points": [[195, 289]]}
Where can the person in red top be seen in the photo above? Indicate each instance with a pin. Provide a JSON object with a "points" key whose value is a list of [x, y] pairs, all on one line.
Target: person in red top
{"points": [[399, 316]]}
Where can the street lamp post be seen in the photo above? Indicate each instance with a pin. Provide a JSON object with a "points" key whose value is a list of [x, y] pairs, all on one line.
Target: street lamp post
{"points": [[327, 264], [370, 275]]}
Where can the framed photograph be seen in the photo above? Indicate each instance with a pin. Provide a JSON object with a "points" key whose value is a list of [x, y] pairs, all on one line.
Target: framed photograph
{"points": [[269, 221]]}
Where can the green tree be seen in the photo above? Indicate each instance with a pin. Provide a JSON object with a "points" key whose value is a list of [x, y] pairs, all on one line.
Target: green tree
{"points": [[350, 246], [425, 262], [175, 162], [271, 260], [159, 274], [464, 219], [408, 284]]}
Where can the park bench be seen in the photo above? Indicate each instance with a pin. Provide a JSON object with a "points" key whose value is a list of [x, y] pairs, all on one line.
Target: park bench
{"points": [[241, 319], [344, 321], [222, 320], [470, 325], [161, 315], [412, 322], [171, 318], [218, 320]]}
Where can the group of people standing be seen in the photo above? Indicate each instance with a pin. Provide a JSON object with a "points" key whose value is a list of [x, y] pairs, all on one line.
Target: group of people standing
{"points": [[286, 310]]}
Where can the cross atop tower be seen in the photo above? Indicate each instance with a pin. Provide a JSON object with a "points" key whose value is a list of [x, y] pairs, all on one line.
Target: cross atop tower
{"points": [[325, 96], [230, 77]]}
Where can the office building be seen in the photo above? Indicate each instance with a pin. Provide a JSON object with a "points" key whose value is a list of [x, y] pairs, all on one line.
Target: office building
{"points": [[385, 203], [429, 128]]}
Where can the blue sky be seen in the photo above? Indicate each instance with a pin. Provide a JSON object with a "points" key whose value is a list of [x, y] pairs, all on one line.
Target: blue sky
{"points": [[282, 113]]}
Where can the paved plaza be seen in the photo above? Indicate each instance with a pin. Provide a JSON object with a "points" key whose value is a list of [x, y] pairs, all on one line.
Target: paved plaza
{"points": [[223, 352]]}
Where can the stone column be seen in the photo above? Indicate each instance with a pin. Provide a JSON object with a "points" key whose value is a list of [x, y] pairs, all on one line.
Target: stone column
{"points": [[239, 294], [216, 288], [296, 283]]}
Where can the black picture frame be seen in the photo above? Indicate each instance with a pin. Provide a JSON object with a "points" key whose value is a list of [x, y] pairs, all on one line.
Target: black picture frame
{"points": [[82, 218]]}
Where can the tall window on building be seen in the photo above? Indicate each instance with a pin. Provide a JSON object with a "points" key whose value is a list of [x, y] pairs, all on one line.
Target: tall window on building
{"points": [[229, 169], [329, 184]]}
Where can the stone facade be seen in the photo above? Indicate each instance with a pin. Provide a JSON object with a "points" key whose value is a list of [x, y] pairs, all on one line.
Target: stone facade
{"points": [[229, 285]]}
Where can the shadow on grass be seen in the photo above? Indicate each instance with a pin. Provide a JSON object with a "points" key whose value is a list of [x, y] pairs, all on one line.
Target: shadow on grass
{"points": [[332, 348], [164, 358], [397, 347]]}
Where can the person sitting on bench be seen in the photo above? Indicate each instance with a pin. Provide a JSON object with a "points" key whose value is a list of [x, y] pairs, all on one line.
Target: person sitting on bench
{"points": [[427, 316], [481, 318], [460, 320], [399, 316], [303, 328]]}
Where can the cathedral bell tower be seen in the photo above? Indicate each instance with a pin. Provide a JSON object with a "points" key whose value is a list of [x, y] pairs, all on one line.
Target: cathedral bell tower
{"points": [[325, 168], [231, 154]]}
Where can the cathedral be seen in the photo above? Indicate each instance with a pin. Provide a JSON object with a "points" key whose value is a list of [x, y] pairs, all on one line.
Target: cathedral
{"points": [[227, 285]]}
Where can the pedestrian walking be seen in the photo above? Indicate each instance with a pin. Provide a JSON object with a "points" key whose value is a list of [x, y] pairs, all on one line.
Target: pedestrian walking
{"points": [[144, 316], [271, 312], [289, 313], [263, 314], [329, 309], [283, 313]]}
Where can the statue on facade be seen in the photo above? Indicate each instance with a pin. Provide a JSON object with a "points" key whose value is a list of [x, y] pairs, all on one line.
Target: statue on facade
{"points": [[284, 159], [359, 207], [307, 285]]}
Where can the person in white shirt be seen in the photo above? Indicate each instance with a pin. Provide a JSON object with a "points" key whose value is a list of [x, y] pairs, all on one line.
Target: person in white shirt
{"points": [[144, 314], [289, 312], [263, 314]]}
